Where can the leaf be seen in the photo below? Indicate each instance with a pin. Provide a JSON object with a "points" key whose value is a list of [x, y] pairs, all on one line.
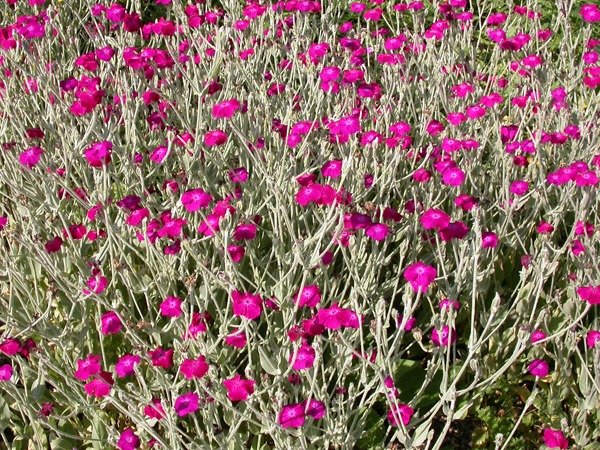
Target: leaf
{"points": [[266, 363], [374, 430], [479, 437]]}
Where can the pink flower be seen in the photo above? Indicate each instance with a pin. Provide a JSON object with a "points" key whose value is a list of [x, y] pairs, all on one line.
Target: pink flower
{"points": [[225, 109], [489, 239], [309, 296], [238, 388], [194, 368], [305, 358], [435, 219], [545, 228], [237, 339], [215, 138], [161, 357], [378, 231], [110, 323], [6, 372], [246, 304], [30, 157], [536, 336], [538, 368], [238, 175], [592, 338], [449, 304], [98, 154], [400, 413], [292, 415], [236, 252], [186, 404], [590, 13], [315, 408], [197, 326], [155, 409], [171, 307], [100, 386], [126, 364], [195, 199], [128, 440], [420, 276], [332, 169], [444, 337], [555, 438], [10, 346], [453, 176], [88, 367], [519, 187], [330, 318], [245, 231], [590, 294], [96, 284]]}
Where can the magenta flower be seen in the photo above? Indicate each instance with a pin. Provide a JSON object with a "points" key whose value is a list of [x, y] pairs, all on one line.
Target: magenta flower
{"points": [[238, 388], [88, 367], [292, 415], [449, 304], [590, 294], [453, 176], [592, 338], [6, 372], [245, 231], [539, 368], [590, 13], [195, 199], [215, 138], [444, 337], [110, 323], [378, 231], [400, 413], [519, 187], [536, 336], [315, 408], [187, 404], [98, 154], [194, 368], [435, 219], [330, 318], [100, 386], [128, 440], [332, 169], [555, 438], [155, 410], [10, 346], [236, 252], [225, 109], [420, 276], [305, 358], [246, 304], [489, 239], [237, 339], [161, 357], [171, 307], [96, 284], [30, 157], [238, 175], [126, 364], [310, 296]]}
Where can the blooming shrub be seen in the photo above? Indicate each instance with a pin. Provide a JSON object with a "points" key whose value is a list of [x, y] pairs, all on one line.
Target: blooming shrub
{"points": [[299, 224]]}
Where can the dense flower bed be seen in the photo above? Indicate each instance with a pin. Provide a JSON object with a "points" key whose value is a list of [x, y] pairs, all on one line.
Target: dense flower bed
{"points": [[299, 224]]}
